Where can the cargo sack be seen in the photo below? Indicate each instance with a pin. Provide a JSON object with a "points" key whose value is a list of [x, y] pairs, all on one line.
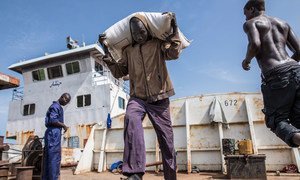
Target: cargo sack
{"points": [[118, 36]]}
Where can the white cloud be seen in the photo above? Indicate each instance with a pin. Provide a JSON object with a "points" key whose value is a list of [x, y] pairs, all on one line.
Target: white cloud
{"points": [[222, 74]]}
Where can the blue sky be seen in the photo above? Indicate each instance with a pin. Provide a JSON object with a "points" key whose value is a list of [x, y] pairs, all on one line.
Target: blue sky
{"points": [[212, 64]]}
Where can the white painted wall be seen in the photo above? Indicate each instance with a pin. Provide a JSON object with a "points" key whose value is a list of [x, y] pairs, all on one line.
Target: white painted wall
{"points": [[42, 94]]}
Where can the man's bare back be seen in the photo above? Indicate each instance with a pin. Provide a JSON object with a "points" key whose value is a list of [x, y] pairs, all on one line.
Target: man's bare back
{"points": [[270, 35], [268, 38]]}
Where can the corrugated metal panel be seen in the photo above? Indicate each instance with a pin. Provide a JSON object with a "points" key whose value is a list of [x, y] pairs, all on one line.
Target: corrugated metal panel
{"points": [[197, 139]]}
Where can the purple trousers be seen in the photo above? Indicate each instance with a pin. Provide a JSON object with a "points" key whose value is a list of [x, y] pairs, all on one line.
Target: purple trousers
{"points": [[134, 158]]}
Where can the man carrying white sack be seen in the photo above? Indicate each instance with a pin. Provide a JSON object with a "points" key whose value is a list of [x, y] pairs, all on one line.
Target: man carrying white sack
{"points": [[150, 89]]}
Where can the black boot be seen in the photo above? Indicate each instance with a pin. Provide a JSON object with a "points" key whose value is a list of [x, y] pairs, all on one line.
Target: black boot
{"points": [[134, 177]]}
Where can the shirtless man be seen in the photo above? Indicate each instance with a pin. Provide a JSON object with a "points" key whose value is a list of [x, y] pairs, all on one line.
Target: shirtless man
{"points": [[268, 37]]}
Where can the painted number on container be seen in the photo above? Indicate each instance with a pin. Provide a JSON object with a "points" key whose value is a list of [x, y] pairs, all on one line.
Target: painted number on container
{"points": [[230, 102]]}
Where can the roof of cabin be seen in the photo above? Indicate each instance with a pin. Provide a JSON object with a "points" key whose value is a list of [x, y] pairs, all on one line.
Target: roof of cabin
{"points": [[94, 48]]}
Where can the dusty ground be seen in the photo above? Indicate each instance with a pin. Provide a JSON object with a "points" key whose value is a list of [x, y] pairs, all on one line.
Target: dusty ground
{"points": [[67, 174]]}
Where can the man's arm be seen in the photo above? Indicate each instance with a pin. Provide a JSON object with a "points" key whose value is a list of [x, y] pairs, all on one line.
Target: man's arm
{"points": [[172, 46], [60, 124], [293, 44], [118, 69], [253, 45], [54, 119], [171, 49]]}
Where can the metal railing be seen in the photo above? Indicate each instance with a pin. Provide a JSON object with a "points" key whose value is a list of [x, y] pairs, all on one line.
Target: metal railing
{"points": [[18, 94], [109, 78]]}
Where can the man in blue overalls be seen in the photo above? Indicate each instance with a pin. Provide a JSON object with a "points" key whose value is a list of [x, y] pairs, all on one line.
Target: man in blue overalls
{"points": [[54, 122]]}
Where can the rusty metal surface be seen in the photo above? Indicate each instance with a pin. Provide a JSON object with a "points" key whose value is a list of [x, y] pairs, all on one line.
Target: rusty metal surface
{"points": [[14, 165], [25, 172], [7, 81], [3, 147], [204, 137], [246, 167], [69, 156], [4, 171], [203, 134], [32, 155], [4, 163]]}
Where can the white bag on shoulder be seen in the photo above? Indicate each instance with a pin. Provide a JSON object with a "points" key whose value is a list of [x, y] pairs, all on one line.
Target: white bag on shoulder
{"points": [[118, 36]]}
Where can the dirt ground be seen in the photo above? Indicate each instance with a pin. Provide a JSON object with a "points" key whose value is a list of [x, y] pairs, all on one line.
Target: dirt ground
{"points": [[67, 174]]}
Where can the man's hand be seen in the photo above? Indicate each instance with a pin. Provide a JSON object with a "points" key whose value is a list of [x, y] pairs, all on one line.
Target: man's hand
{"points": [[101, 40], [174, 23], [246, 65], [173, 26], [107, 57]]}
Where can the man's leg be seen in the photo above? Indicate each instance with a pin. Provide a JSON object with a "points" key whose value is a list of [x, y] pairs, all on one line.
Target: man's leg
{"points": [[45, 164], [279, 97], [54, 165], [295, 118], [134, 157], [159, 114], [46, 160]]}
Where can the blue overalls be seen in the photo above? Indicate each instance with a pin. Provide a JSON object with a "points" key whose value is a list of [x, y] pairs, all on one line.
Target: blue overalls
{"points": [[52, 138]]}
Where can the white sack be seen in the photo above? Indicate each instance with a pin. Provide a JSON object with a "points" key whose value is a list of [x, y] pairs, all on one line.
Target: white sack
{"points": [[118, 36]]}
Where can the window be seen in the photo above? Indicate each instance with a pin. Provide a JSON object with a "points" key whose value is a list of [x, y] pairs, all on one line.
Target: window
{"points": [[38, 75], [98, 68], [28, 109], [73, 142], [121, 103], [84, 100], [72, 67], [54, 72]]}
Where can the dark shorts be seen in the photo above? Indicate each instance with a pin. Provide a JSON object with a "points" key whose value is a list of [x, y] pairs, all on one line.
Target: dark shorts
{"points": [[281, 94]]}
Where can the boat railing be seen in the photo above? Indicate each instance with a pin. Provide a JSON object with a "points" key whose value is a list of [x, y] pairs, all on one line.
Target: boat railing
{"points": [[105, 77], [18, 93]]}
